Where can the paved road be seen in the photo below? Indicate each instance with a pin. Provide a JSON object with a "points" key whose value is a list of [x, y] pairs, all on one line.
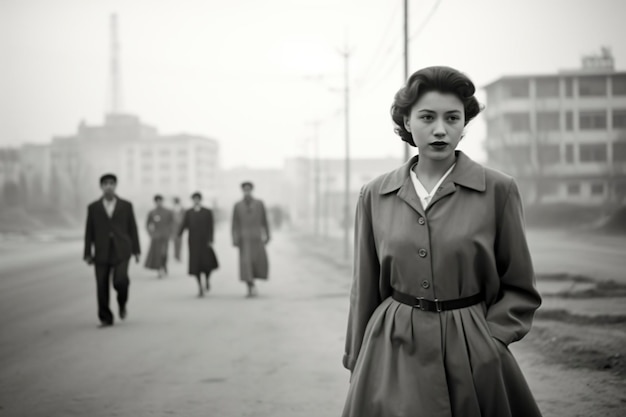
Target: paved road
{"points": [[224, 355], [597, 256]]}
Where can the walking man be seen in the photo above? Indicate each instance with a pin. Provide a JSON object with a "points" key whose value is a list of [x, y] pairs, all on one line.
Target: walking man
{"points": [[250, 234], [202, 260], [112, 231]]}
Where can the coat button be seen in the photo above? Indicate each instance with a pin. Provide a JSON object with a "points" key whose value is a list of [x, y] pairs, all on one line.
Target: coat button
{"points": [[422, 253], [425, 284], [421, 221]]}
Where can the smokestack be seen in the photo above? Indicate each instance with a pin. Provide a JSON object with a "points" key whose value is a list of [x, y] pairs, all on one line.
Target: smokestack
{"points": [[115, 88]]}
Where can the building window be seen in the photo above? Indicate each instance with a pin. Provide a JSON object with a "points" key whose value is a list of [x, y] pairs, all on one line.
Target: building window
{"points": [[164, 152], [549, 154], [573, 189], [547, 187], [518, 122], [592, 86], [619, 151], [146, 152], [591, 120], [569, 153], [146, 167], [569, 87], [619, 119], [569, 121], [593, 153], [517, 88], [619, 85], [548, 122], [547, 87], [597, 188]]}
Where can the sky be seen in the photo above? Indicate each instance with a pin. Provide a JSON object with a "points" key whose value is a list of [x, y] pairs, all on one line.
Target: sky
{"points": [[259, 75]]}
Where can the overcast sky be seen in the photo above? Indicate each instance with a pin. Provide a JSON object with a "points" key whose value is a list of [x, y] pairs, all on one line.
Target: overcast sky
{"points": [[254, 74]]}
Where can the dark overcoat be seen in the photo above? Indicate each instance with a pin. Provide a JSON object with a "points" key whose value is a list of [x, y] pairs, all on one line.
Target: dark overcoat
{"points": [[250, 231], [470, 239], [199, 223], [121, 228]]}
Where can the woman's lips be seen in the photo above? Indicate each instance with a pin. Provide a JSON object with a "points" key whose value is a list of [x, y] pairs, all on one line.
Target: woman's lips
{"points": [[439, 144]]}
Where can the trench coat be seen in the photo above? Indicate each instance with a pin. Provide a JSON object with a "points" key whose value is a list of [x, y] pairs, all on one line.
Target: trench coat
{"points": [[202, 258], [470, 239], [160, 224], [250, 231]]}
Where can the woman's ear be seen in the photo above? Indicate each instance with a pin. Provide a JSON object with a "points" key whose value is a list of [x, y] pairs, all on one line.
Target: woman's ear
{"points": [[407, 125]]}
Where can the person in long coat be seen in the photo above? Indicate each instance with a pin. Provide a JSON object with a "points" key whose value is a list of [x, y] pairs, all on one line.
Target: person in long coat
{"points": [[111, 238], [179, 216], [443, 279], [250, 232], [159, 224], [198, 221]]}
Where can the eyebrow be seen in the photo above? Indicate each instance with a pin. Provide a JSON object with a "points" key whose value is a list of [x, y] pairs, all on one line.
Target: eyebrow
{"points": [[432, 111]]}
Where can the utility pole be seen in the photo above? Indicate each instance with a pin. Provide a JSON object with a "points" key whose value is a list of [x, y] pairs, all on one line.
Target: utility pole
{"points": [[406, 63], [347, 212]]}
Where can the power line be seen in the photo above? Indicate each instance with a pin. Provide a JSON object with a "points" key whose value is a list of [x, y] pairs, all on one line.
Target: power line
{"points": [[381, 43], [426, 20]]}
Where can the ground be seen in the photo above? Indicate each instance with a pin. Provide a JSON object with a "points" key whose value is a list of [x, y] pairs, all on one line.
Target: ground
{"points": [[277, 355]]}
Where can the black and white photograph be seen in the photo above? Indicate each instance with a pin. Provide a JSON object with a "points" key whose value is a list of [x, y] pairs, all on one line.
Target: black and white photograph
{"points": [[311, 208]]}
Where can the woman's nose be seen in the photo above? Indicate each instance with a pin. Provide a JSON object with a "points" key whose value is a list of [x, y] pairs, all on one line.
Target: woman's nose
{"points": [[440, 130]]}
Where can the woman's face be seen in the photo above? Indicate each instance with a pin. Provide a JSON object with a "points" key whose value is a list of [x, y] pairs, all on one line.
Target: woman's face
{"points": [[436, 122]]}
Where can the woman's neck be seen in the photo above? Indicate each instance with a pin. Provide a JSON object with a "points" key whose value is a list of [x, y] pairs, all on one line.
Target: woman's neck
{"points": [[433, 169]]}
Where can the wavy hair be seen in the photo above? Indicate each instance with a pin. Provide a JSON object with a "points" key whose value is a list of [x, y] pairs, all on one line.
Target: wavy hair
{"points": [[439, 78]]}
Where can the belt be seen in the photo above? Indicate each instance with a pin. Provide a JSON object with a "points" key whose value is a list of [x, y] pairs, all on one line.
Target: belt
{"points": [[436, 305]]}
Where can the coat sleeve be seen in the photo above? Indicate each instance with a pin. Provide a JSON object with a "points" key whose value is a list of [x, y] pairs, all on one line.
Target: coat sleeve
{"points": [[183, 225], [364, 295], [510, 317], [132, 230], [210, 225], [89, 235], [236, 227], [265, 224]]}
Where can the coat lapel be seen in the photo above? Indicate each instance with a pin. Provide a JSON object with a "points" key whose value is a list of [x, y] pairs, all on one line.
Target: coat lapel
{"points": [[408, 194], [466, 173]]}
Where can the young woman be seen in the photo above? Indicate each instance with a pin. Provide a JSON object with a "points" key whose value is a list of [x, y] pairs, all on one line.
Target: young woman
{"points": [[443, 279]]}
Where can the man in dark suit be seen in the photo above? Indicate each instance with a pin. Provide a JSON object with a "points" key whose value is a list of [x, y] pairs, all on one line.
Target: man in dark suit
{"points": [[112, 230]]}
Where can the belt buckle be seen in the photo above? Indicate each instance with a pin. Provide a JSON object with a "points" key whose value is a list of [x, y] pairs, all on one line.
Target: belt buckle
{"points": [[438, 305], [419, 303]]}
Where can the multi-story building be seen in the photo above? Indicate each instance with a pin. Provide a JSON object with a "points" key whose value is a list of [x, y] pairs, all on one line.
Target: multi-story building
{"points": [[145, 162], [173, 166], [563, 135]]}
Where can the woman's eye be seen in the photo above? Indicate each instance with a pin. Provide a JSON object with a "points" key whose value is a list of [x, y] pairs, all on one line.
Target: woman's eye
{"points": [[426, 117], [453, 118]]}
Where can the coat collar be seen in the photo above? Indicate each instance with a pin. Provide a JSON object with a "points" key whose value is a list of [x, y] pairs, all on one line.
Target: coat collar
{"points": [[466, 173]]}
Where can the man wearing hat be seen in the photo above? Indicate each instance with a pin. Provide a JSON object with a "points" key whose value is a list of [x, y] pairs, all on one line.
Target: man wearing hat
{"points": [[111, 231]]}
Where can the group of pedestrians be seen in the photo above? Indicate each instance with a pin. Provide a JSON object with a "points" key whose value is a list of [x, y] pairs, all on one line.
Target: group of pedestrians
{"points": [[112, 239]]}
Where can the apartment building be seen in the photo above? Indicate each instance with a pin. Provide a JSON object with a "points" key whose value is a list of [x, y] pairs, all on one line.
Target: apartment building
{"points": [[563, 135]]}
